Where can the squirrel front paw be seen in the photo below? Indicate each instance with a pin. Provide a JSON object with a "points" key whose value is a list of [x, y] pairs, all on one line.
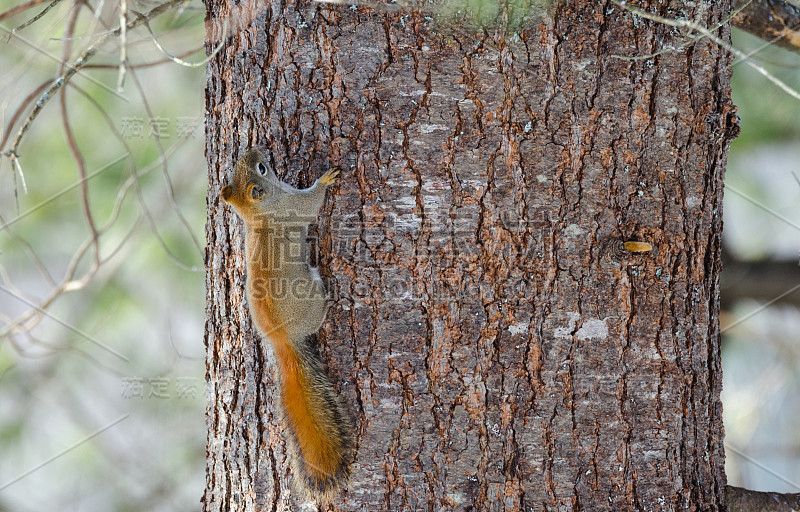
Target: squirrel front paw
{"points": [[330, 177]]}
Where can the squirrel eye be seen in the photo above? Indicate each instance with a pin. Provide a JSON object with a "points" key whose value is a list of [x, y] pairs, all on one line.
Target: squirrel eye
{"points": [[255, 191], [262, 169]]}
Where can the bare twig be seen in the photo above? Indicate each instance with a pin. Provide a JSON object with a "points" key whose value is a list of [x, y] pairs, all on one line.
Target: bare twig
{"points": [[30, 319], [18, 170], [72, 143], [14, 118], [134, 181], [698, 28], [65, 451], [144, 64], [81, 163], [29, 251], [63, 323], [37, 17], [55, 196], [774, 473], [182, 62], [774, 21], [77, 64], [98, 11], [766, 44], [167, 180], [123, 43], [24, 6], [692, 38], [61, 63]]}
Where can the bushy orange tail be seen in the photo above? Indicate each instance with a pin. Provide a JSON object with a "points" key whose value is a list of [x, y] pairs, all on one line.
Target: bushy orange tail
{"points": [[318, 427]]}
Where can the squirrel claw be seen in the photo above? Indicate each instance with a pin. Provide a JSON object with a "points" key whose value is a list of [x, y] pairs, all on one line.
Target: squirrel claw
{"points": [[330, 177]]}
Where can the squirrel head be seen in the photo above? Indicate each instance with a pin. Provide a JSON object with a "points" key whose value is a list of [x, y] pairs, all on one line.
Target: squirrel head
{"points": [[251, 184]]}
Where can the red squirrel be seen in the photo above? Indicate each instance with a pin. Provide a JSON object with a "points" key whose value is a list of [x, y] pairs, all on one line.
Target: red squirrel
{"points": [[288, 304]]}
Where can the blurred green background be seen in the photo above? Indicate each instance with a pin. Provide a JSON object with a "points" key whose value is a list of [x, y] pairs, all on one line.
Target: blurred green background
{"points": [[132, 359], [102, 397], [761, 338]]}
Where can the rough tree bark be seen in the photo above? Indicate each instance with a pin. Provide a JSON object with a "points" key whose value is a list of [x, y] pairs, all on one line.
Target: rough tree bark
{"points": [[497, 347]]}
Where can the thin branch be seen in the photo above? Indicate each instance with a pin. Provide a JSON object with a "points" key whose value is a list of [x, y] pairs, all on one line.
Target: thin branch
{"points": [[29, 251], [759, 309], [78, 63], [70, 347], [773, 20], [81, 163], [123, 43], [55, 196], [64, 324], [72, 143], [693, 38], [8, 282], [175, 27], [761, 205], [18, 113], [766, 44], [182, 62], [8, 13], [98, 11], [34, 316], [145, 64], [49, 348], [124, 239], [694, 26], [18, 170], [65, 451], [61, 63], [167, 180], [30, 319], [134, 180], [37, 17], [753, 461]]}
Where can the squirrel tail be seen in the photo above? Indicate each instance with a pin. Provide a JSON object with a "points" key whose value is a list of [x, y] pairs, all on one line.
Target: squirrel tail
{"points": [[318, 427]]}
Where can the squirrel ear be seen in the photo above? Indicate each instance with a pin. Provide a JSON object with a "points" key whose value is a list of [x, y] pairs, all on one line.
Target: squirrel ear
{"points": [[226, 193]]}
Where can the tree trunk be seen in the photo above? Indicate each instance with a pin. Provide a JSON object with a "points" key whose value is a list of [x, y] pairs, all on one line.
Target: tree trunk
{"points": [[495, 343]]}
